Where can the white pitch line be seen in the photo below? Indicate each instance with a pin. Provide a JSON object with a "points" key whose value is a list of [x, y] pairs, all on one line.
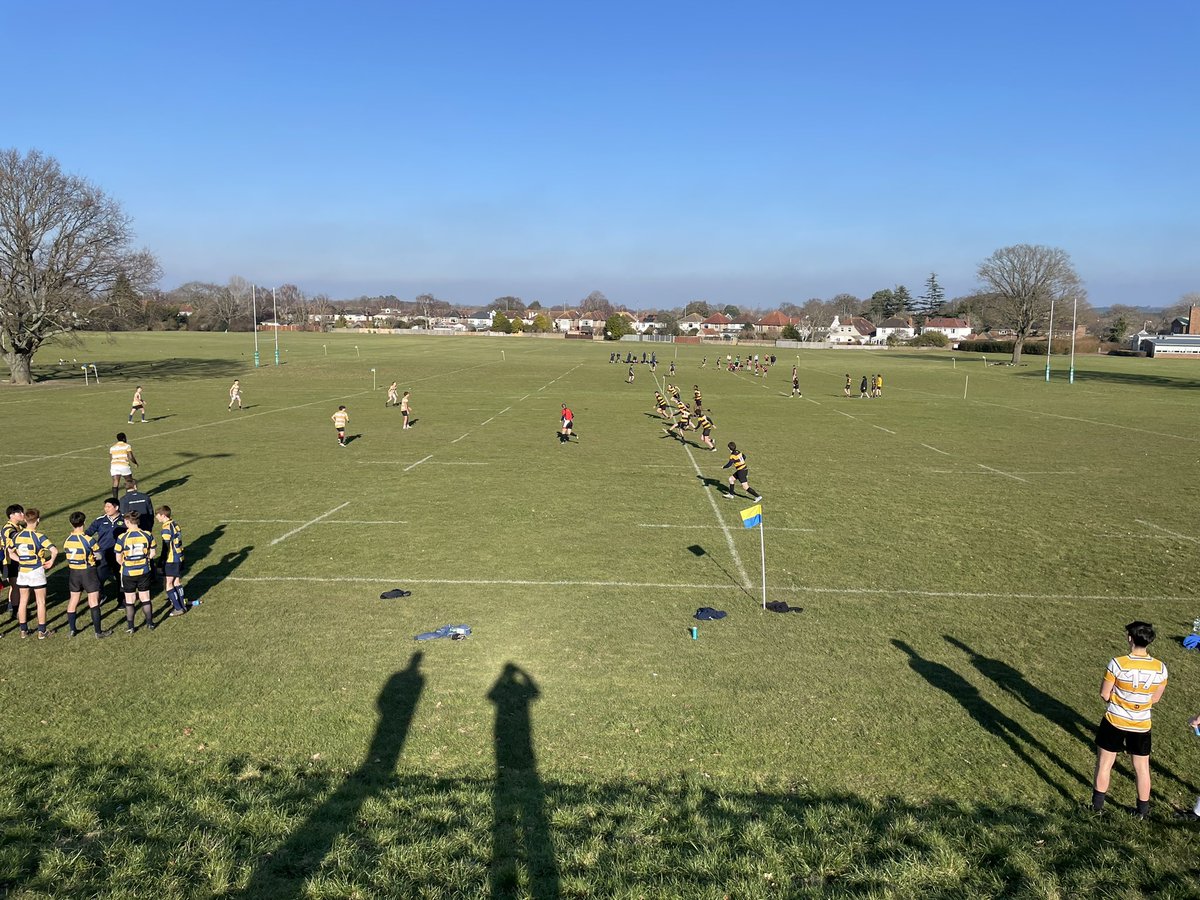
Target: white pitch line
{"points": [[1005, 474], [503, 411], [322, 522], [711, 527], [418, 462], [881, 428], [721, 521], [935, 450], [1178, 437], [675, 585], [811, 400], [457, 439], [526, 397], [481, 424], [846, 414], [1174, 534], [323, 515]]}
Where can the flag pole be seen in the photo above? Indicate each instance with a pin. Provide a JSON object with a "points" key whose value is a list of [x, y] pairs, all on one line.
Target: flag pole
{"points": [[762, 544]]}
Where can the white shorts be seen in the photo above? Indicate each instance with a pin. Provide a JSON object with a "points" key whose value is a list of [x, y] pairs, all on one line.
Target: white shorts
{"points": [[120, 470], [34, 579]]}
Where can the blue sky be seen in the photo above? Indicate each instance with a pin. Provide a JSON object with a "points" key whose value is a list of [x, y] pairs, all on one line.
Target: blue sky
{"points": [[659, 152]]}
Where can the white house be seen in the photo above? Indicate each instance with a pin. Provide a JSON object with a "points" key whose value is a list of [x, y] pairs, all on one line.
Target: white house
{"points": [[1174, 345], [479, 319], [567, 320], [855, 330], [955, 329], [902, 328]]}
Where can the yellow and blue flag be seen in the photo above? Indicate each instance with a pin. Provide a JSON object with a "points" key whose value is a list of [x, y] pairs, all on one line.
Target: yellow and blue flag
{"points": [[752, 516]]}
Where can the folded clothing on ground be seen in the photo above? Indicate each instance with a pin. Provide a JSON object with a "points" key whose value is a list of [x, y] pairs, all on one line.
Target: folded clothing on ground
{"points": [[707, 613], [455, 632]]}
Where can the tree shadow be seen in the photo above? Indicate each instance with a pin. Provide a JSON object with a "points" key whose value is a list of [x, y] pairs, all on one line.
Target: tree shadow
{"points": [[1131, 379], [163, 369], [988, 717], [169, 484], [521, 841], [284, 872], [1015, 684]]}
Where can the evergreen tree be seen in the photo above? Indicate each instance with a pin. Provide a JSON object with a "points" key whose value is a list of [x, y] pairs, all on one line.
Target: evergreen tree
{"points": [[901, 300], [934, 298]]}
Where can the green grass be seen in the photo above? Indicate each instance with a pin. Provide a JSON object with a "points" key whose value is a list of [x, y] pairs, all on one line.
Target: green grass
{"points": [[922, 728]]}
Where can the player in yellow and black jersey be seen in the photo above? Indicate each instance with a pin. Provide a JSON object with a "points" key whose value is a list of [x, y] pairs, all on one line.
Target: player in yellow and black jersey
{"points": [[704, 424], [681, 423], [660, 404], [697, 399], [673, 392], [741, 473], [82, 551]]}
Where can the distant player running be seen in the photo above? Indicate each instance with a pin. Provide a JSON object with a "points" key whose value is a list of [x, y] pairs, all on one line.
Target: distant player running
{"points": [[846, 389], [406, 409], [704, 422], [681, 424], [235, 394], [660, 404], [741, 473], [341, 419], [121, 462], [629, 377], [796, 383], [697, 399], [393, 398], [138, 405]]}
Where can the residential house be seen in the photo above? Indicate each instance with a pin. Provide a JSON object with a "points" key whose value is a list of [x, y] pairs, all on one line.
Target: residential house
{"points": [[565, 320], [854, 330], [955, 329], [902, 328], [772, 324], [690, 324], [717, 324]]}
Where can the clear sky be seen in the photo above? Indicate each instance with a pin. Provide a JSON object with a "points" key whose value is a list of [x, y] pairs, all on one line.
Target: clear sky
{"points": [[747, 153]]}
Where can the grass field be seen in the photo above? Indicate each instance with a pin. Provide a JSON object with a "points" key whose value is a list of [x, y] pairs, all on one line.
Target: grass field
{"points": [[922, 728]]}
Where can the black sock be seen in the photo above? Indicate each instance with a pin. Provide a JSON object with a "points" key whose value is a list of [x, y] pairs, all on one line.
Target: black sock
{"points": [[95, 611], [1098, 798], [71, 622], [1143, 807], [129, 615], [148, 612]]}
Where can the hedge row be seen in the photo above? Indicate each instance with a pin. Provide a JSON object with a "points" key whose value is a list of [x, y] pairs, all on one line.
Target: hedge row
{"points": [[1032, 348]]}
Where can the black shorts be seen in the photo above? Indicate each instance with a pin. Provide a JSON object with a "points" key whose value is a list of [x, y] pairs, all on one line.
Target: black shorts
{"points": [[83, 581], [743, 475], [173, 569], [1116, 740], [706, 432], [11, 568], [136, 584]]}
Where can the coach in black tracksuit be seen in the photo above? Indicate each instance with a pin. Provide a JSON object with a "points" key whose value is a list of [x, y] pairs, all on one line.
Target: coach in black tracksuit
{"points": [[106, 529]]}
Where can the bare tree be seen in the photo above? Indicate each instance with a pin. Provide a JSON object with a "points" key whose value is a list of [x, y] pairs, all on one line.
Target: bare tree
{"points": [[1025, 279], [64, 245]]}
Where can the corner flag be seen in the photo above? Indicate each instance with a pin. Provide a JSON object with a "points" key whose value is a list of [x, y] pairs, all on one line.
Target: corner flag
{"points": [[753, 516]]}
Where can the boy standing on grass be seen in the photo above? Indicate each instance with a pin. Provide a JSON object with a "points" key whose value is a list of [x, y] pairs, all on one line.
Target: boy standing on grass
{"points": [[1131, 686], [14, 523], [406, 410], [34, 554], [138, 405], [393, 398], [741, 473], [82, 552], [106, 529], [121, 462], [172, 553], [235, 394], [341, 419], [568, 425], [135, 549]]}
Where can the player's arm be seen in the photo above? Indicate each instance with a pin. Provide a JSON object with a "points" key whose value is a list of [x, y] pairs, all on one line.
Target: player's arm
{"points": [[132, 458], [727, 465], [1157, 695], [48, 564], [1106, 685]]}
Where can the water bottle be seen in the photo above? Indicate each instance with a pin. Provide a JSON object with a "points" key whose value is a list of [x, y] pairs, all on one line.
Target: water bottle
{"points": [[1196, 625]]}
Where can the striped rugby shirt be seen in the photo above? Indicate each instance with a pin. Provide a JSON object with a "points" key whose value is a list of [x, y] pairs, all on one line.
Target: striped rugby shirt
{"points": [[1134, 680]]}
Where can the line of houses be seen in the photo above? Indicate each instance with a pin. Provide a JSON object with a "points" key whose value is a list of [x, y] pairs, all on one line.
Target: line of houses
{"points": [[850, 330]]}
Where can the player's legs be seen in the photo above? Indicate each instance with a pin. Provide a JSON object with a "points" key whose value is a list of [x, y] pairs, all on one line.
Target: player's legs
{"points": [[130, 606], [39, 598], [23, 610], [1105, 759], [147, 609], [72, 605], [93, 601], [1141, 771]]}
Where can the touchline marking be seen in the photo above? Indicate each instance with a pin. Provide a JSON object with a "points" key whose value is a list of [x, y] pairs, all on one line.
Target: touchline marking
{"points": [[526, 397], [881, 428], [418, 462], [675, 585], [846, 414], [481, 424], [1005, 474], [711, 527], [503, 411], [457, 439], [811, 400], [323, 522], [1174, 534], [1178, 437], [935, 450], [721, 521], [324, 515]]}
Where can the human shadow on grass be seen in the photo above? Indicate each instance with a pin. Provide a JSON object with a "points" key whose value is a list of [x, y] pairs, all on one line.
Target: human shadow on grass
{"points": [[520, 824], [189, 459], [216, 572], [285, 871], [351, 438], [1014, 683], [991, 719]]}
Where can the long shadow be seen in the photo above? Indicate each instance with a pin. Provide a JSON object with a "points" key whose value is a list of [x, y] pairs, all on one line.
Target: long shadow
{"points": [[520, 827], [218, 571], [158, 473], [988, 717], [1133, 379], [301, 855], [167, 485], [182, 368], [1014, 683], [697, 550]]}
